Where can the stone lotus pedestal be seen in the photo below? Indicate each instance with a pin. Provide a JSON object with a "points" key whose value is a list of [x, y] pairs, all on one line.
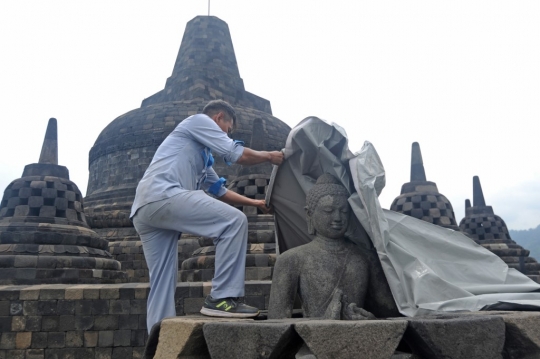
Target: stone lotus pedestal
{"points": [[467, 335], [44, 236]]}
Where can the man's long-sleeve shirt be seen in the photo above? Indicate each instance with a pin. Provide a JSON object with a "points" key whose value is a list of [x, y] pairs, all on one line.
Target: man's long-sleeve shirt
{"points": [[181, 161]]}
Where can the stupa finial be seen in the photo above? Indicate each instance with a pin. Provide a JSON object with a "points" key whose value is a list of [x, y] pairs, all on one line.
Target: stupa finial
{"points": [[467, 204], [417, 165], [478, 195], [49, 150]]}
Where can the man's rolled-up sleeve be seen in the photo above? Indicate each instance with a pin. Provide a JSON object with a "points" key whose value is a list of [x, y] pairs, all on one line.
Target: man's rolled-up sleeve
{"points": [[208, 133], [211, 178]]}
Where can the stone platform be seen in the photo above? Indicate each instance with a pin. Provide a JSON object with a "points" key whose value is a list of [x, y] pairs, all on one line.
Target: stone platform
{"points": [[91, 321], [476, 335]]}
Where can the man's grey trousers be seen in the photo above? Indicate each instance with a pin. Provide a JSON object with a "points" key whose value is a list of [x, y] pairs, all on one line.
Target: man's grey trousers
{"points": [[159, 225]]}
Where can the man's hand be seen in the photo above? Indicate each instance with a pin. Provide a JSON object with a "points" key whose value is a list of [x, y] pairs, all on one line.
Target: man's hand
{"points": [[251, 157], [261, 204], [276, 157]]}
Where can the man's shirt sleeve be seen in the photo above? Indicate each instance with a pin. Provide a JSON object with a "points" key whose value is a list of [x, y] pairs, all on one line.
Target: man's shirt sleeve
{"points": [[211, 179], [205, 131]]}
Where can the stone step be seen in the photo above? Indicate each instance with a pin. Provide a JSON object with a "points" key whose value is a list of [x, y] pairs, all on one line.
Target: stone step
{"points": [[257, 248], [252, 260], [205, 275]]}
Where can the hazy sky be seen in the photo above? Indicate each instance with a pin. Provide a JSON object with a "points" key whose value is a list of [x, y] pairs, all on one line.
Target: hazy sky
{"points": [[460, 77]]}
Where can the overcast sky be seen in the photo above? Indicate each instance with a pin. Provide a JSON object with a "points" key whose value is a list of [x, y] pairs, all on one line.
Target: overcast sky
{"points": [[460, 77]]}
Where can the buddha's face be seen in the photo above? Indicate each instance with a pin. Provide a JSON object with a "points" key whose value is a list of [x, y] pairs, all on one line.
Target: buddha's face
{"points": [[331, 217]]}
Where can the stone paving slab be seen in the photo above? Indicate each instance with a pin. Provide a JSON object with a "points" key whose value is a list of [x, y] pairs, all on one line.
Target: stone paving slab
{"points": [[252, 339], [372, 339], [470, 337], [183, 337]]}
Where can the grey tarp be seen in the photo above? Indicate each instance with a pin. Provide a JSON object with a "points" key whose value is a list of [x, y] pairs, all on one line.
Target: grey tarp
{"points": [[427, 267]]}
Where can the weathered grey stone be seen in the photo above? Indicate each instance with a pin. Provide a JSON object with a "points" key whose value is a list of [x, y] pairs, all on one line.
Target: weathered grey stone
{"points": [[351, 339], [44, 234], [481, 224], [329, 265], [183, 337], [522, 335], [253, 339], [421, 199], [478, 337]]}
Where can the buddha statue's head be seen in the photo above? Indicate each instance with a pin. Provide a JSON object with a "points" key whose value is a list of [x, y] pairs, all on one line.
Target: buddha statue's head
{"points": [[327, 208]]}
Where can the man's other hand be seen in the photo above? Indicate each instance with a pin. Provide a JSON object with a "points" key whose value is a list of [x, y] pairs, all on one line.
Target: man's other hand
{"points": [[276, 157], [261, 204]]}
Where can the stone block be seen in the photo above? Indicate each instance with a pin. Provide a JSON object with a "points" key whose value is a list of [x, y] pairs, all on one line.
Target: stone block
{"points": [[50, 323], [71, 214], [16, 308], [120, 306], [33, 323], [50, 294], [407, 206], [90, 339], [35, 354], [478, 337], [18, 324], [65, 307], [38, 184], [66, 323], [109, 293], [184, 337], [126, 321], [253, 339], [351, 339], [193, 305], [21, 211], [47, 211], [434, 212], [39, 340], [122, 338], [84, 322], [23, 340], [61, 204], [122, 353], [106, 322], [250, 190], [74, 339], [260, 182], [104, 353], [522, 335], [56, 340], [106, 338], [49, 193], [250, 211]]}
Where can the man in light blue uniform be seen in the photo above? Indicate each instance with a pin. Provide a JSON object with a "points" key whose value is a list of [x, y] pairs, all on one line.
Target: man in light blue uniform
{"points": [[171, 199]]}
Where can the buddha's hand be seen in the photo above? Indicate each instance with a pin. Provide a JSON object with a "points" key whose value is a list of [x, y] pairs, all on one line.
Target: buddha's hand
{"points": [[333, 311], [352, 312]]}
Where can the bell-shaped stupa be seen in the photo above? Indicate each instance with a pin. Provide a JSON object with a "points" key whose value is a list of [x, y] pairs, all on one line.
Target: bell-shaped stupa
{"points": [[44, 237], [205, 69], [421, 199], [489, 230]]}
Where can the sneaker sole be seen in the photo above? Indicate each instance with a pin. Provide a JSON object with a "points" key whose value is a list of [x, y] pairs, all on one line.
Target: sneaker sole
{"points": [[223, 314]]}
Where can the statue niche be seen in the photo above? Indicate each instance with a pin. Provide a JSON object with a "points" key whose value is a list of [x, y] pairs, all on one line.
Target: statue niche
{"points": [[333, 277]]}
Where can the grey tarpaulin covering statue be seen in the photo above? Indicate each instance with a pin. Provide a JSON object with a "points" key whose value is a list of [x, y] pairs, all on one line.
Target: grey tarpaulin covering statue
{"points": [[427, 267]]}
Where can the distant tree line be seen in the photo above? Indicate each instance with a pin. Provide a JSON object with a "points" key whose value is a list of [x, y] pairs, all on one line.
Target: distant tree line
{"points": [[528, 239]]}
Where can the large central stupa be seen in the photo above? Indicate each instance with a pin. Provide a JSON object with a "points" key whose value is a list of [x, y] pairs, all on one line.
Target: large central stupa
{"points": [[205, 69]]}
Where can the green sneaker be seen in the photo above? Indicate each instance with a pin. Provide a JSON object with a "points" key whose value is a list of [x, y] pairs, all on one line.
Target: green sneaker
{"points": [[227, 308]]}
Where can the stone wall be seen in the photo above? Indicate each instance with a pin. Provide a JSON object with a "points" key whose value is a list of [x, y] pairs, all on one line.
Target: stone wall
{"points": [[91, 321]]}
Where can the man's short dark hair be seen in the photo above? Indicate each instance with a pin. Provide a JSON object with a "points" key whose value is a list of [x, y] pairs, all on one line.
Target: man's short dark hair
{"points": [[215, 106]]}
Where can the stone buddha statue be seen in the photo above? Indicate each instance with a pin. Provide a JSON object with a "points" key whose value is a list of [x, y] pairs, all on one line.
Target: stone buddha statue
{"points": [[333, 277]]}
